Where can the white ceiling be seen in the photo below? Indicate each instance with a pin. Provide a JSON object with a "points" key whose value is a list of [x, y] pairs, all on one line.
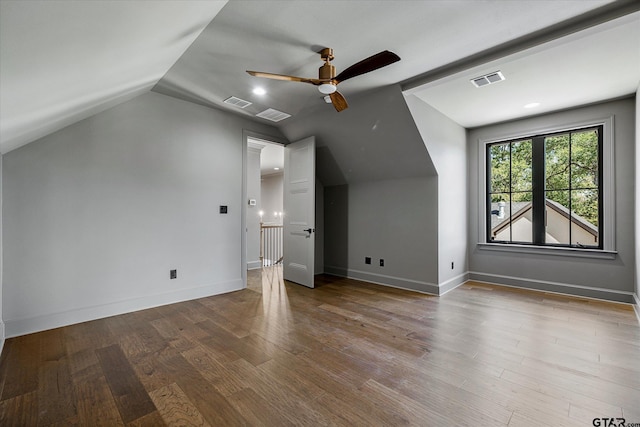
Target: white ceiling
{"points": [[596, 64], [283, 37], [61, 61], [271, 156]]}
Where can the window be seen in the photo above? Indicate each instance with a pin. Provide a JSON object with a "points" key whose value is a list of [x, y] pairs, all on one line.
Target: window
{"points": [[546, 189]]}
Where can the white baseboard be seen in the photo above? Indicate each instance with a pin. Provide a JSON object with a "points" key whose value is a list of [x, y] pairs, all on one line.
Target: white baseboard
{"points": [[23, 326], [381, 279], [254, 265], [453, 283], [1, 336], [555, 287]]}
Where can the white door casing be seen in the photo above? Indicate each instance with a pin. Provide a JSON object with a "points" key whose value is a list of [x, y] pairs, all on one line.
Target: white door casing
{"points": [[299, 211]]}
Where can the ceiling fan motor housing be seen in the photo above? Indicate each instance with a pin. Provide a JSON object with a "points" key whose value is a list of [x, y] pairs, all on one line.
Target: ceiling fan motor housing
{"points": [[327, 72]]}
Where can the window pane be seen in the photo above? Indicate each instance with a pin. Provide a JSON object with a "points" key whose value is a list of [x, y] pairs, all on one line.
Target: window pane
{"points": [[567, 189], [584, 159], [511, 217], [500, 226], [521, 166], [499, 155], [557, 217], [521, 217], [557, 162], [584, 224]]}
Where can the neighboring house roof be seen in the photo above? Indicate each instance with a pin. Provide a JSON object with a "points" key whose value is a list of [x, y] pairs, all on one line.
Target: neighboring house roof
{"points": [[520, 208], [575, 218]]}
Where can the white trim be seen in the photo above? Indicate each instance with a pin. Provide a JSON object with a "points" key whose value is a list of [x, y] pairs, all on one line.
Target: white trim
{"points": [[381, 279], [1, 336], [23, 326], [608, 186], [246, 136], [548, 250], [610, 295], [454, 282], [254, 265]]}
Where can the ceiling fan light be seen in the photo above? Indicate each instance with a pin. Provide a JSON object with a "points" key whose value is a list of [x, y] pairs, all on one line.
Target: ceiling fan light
{"points": [[327, 88]]}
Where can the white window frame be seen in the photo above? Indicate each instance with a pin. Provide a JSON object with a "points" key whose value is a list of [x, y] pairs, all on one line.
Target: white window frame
{"points": [[607, 187]]}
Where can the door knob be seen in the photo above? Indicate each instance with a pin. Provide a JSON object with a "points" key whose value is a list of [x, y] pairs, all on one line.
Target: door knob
{"points": [[309, 230]]}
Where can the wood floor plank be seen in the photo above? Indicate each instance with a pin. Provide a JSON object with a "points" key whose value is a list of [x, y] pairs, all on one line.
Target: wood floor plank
{"points": [[346, 353], [55, 386], [20, 372], [175, 408], [213, 406], [18, 411], [257, 409], [130, 395], [96, 404]]}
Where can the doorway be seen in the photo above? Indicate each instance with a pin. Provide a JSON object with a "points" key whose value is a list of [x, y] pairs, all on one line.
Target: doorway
{"points": [[265, 168], [275, 203]]}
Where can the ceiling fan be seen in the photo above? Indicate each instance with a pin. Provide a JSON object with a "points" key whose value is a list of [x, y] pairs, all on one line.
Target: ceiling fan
{"points": [[327, 80]]}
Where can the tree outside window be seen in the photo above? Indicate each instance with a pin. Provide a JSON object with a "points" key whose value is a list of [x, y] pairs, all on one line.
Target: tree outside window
{"points": [[545, 189]]}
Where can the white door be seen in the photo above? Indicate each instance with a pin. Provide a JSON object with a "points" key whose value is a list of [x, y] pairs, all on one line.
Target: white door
{"points": [[299, 211]]}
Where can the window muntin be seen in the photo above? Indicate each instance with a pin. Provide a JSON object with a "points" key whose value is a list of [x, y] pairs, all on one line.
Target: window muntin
{"points": [[546, 189]]}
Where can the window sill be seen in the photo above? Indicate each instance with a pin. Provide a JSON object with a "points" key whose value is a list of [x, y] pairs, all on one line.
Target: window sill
{"points": [[539, 250]]}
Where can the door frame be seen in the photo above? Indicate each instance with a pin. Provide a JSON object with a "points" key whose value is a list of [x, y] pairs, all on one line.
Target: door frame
{"points": [[246, 134]]}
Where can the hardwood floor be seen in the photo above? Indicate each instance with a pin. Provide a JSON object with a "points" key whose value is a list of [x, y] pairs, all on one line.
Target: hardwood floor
{"points": [[345, 353]]}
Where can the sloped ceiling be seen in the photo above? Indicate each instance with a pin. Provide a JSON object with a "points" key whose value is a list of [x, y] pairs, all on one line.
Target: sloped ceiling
{"points": [[375, 140], [62, 61], [284, 37]]}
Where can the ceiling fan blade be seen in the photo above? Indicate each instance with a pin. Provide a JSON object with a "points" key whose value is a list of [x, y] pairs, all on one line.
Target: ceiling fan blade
{"points": [[285, 77], [371, 63], [338, 101]]}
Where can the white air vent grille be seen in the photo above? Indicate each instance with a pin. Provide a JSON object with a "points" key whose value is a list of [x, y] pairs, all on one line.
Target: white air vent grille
{"points": [[237, 102], [273, 115], [487, 79]]}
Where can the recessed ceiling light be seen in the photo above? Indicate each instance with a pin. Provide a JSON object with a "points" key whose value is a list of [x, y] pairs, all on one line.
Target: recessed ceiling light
{"points": [[276, 169], [532, 105], [259, 91]]}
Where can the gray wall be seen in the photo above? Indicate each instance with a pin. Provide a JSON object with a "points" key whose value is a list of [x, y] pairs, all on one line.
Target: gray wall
{"points": [[271, 197], [602, 278], [380, 193], [253, 218], [318, 262], [390, 220], [2, 332], [637, 210], [446, 142], [96, 214]]}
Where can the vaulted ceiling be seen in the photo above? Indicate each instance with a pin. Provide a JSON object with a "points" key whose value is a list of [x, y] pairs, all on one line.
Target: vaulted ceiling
{"points": [[62, 61]]}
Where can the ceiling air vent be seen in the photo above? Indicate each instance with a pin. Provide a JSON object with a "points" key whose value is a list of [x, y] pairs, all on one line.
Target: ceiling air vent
{"points": [[273, 115], [237, 102], [487, 79]]}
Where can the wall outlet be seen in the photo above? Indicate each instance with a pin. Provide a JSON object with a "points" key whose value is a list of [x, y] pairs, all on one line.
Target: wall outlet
{"points": [[223, 209], [381, 262], [173, 274], [367, 260]]}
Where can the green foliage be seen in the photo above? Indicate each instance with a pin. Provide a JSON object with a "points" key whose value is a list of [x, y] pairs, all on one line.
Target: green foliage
{"points": [[571, 171]]}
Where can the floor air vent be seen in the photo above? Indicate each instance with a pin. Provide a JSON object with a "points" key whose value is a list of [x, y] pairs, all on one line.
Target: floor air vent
{"points": [[240, 103], [273, 115]]}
